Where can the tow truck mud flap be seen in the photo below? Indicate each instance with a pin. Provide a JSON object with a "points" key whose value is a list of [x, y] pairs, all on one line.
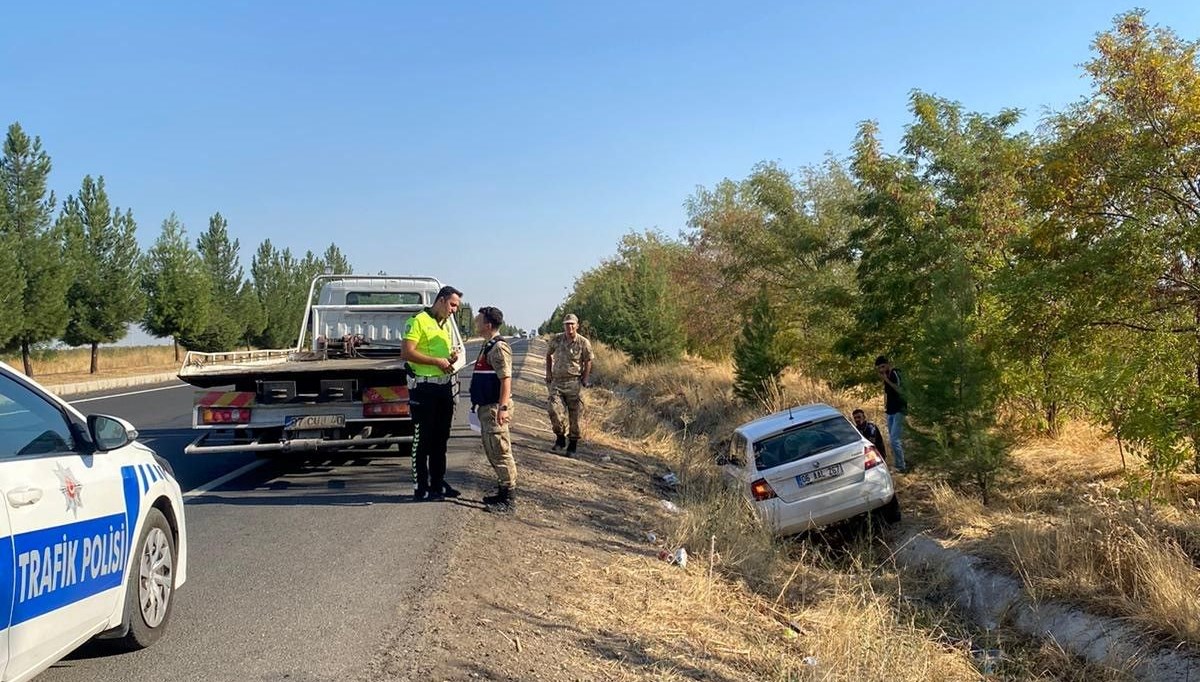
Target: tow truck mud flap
{"points": [[197, 447]]}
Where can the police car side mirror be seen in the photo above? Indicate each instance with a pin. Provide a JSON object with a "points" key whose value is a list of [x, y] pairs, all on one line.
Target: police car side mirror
{"points": [[110, 433]]}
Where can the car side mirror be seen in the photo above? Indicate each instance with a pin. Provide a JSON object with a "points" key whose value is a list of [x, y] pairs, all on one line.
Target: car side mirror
{"points": [[110, 433]]}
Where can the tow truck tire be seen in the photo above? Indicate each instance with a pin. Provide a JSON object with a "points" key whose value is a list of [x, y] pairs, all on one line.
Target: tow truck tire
{"points": [[150, 585]]}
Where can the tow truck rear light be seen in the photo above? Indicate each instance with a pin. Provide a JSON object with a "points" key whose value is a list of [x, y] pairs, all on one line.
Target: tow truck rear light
{"points": [[385, 410], [761, 490], [873, 457], [224, 415]]}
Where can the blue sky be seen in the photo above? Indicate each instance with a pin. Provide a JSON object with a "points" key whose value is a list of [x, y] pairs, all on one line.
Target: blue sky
{"points": [[503, 147]]}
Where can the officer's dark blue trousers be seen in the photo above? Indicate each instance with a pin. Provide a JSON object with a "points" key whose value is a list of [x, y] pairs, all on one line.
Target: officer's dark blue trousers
{"points": [[433, 413]]}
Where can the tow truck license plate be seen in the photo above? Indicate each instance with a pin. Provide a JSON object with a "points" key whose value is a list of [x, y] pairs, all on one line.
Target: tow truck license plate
{"points": [[819, 475], [312, 422]]}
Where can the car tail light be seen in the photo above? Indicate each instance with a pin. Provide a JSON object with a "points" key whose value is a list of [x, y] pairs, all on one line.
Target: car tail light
{"points": [[761, 490], [224, 415], [385, 410], [874, 459]]}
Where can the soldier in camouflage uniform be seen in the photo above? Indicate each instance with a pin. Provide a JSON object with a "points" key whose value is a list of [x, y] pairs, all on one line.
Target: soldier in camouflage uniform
{"points": [[491, 399], [568, 366]]}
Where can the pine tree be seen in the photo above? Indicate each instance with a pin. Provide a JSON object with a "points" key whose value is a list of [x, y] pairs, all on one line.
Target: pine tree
{"points": [[954, 387], [176, 286], [219, 255], [758, 360], [29, 209], [249, 315], [336, 262], [105, 295], [13, 294]]}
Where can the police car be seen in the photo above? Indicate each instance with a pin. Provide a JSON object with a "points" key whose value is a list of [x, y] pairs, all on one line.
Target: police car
{"points": [[92, 539]]}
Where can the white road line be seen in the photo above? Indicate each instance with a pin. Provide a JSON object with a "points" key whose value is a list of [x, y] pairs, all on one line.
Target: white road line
{"points": [[122, 395], [218, 482]]}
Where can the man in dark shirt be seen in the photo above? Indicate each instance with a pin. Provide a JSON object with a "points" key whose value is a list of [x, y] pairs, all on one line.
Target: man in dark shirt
{"points": [[895, 406], [870, 432]]}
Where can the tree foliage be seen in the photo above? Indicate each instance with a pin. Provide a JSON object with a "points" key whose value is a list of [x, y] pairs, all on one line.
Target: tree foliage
{"points": [[1020, 278], [43, 276], [758, 356], [177, 286], [105, 294]]}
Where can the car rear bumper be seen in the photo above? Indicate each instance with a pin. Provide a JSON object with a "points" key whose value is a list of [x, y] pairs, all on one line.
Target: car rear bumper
{"points": [[790, 518]]}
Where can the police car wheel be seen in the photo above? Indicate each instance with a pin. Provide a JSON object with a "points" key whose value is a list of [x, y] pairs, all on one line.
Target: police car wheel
{"points": [[150, 586]]}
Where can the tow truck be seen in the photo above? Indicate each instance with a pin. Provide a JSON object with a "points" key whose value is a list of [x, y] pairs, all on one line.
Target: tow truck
{"points": [[344, 386]]}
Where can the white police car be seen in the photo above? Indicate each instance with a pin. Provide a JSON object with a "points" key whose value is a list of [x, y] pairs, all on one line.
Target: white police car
{"points": [[92, 539]]}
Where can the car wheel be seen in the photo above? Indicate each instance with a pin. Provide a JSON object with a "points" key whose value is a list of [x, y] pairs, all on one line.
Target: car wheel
{"points": [[150, 586], [890, 512]]}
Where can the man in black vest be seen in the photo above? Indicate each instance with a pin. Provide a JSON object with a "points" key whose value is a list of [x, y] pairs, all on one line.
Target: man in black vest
{"points": [[491, 398], [895, 406]]}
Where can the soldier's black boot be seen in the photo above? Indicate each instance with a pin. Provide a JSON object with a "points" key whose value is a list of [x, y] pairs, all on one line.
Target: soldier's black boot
{"points": [[560, 442], [494, 497], [506, 502], [572, 446]]}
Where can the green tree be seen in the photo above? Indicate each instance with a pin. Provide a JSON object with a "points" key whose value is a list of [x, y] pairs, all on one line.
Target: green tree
{"points": [[250, 315], [44, 273], [788, 232], [953, 387], [1124, 166], [282, 283], [219, 255], [105, 296], [13, 295], [758, 357], [938, 221], [336, 262], [177, 286], [630, 301]]}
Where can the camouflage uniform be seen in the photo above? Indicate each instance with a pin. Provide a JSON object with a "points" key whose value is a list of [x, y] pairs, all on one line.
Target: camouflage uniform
{"points": [[565, 383], [497, 443]]}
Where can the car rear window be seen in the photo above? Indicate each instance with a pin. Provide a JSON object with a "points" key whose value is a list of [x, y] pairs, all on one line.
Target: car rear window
{"points": [[803, 441], [384, 298]]}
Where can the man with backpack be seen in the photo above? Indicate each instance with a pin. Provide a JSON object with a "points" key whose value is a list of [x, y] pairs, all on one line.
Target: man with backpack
{"points": [[895, 406]]}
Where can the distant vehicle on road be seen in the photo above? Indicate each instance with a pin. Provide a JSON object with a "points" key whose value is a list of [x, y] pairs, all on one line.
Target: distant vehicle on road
{"points": [[344, 385], [92, 538], [809, 467], [524, 334]]}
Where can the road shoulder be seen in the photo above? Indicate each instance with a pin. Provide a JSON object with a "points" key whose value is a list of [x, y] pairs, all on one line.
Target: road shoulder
{"points": [[569, 588]]}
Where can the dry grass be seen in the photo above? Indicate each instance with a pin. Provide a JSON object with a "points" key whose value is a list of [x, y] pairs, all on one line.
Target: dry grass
{"points": [[681, 617], [857, 617], [1064, 519], [65, 366]]}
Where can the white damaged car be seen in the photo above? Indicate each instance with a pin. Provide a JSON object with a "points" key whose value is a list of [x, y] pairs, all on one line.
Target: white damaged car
{"points": [[809, 467], [92, 536]]}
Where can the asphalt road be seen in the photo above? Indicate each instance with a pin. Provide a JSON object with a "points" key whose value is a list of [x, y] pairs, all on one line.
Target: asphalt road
{"points": [[301, 570]]}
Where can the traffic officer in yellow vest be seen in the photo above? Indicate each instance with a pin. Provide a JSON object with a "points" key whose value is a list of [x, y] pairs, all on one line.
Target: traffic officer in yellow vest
{"points": [[430, 351], [491, 398], [568, 366]]}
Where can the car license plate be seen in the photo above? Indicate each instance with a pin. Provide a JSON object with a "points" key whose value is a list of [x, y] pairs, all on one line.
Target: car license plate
{"points": [[819, 475], [312, 422]]}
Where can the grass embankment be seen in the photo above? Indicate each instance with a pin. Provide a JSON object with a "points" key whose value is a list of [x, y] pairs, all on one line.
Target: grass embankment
{"points": [[1064, 520], [71, 365], [852, 612]]}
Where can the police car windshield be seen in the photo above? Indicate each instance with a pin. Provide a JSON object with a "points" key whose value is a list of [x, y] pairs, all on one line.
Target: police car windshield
{"points": [[804, 441]]}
